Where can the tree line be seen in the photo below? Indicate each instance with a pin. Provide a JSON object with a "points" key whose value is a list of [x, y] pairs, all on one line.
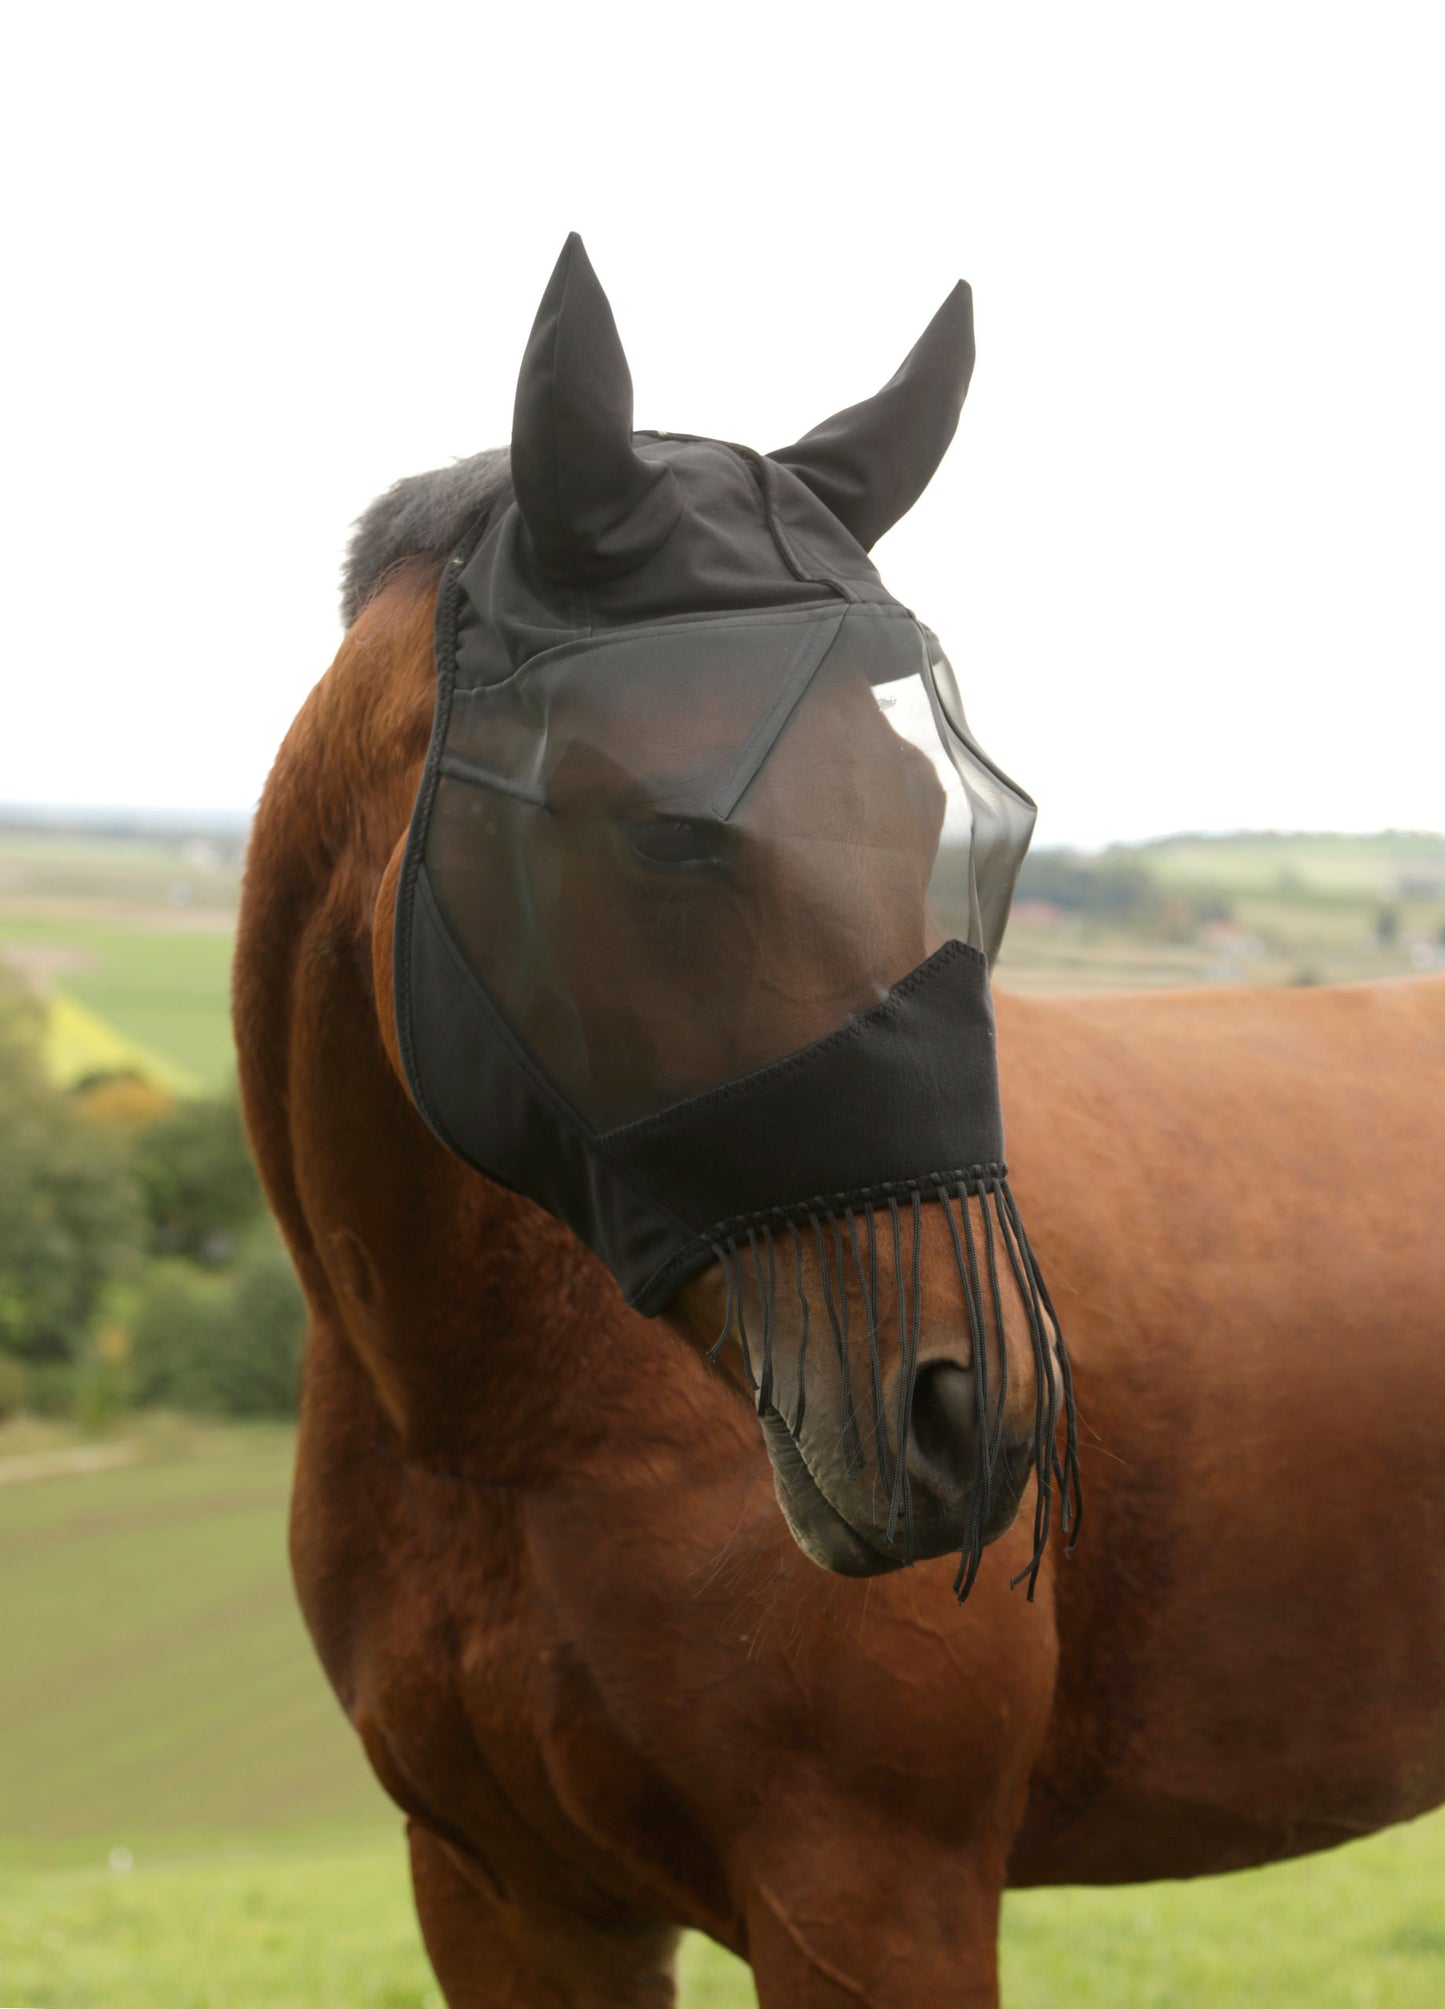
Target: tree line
{"points": [[138, 1265]]}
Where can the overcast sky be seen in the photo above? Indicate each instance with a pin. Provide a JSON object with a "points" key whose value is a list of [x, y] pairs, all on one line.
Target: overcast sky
{"points": [[1186, 552]]}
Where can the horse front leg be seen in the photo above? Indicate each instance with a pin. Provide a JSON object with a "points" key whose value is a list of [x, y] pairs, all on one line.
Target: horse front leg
{"points": [[909, 1936], [509, 1950]]}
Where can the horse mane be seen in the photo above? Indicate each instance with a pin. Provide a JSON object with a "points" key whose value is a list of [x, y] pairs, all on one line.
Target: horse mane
{"points": [[422, 516]]}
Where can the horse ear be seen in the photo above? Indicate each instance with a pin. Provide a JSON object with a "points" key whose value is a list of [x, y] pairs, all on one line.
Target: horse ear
{"points": [[871, 463], [593, 507]]}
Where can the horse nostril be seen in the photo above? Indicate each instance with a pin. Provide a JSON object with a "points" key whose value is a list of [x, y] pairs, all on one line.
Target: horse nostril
{"points": [[943, 1430]]}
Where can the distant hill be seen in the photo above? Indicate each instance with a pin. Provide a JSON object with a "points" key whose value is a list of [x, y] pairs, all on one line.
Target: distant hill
{"points": [[121, 822], [1278, 907], [1393, 864], [1390, 864]]}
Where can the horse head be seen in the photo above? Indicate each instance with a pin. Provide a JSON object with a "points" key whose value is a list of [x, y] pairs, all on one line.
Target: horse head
{"points": [[693, 932]]}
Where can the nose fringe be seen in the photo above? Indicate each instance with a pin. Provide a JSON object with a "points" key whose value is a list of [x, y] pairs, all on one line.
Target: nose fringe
{"points": [[949, 1422]]}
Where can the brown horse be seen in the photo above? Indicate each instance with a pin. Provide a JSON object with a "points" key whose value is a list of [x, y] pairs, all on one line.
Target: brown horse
{"points": [[537, 1538]]}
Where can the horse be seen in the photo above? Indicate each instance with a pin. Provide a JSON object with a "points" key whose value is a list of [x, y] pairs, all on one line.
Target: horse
{"points": [[562, 1566]]}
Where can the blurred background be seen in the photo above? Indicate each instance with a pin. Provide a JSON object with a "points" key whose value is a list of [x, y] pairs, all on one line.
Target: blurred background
{"points": [[1185, 557]]}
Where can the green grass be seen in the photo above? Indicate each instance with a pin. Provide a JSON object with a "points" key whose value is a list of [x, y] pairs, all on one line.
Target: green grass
{"points": [[159, 1697], [319, 1931], [79, 1044], [330, 1930], [1360, 1927], [136, 930], [334, 1929], [157, 1688]]}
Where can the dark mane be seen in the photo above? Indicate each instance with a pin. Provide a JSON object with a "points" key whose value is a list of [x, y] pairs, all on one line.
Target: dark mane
{"points": [[424, 516]]}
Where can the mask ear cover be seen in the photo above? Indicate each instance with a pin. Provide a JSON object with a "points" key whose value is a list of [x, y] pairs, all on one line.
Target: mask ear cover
{"points": [[870, 463], [593, 507]]}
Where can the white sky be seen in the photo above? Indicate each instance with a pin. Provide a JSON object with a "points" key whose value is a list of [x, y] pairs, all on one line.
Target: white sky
{"points": [[1185, 554]]}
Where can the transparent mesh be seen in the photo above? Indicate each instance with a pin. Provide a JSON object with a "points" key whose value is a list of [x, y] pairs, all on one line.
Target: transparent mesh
{"points": [[682, 852]]}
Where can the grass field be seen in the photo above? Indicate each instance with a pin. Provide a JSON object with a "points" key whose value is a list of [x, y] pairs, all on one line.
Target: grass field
{"points": [[135, 931], [165, 987], [162, 1712], [156, 1685], [79, 1044]]}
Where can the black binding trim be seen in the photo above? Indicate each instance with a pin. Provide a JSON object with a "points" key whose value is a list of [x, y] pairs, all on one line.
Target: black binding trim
{"points": [[444, 656]]}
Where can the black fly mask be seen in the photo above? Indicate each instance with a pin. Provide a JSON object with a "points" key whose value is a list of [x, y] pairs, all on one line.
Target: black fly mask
{"points": [[706, 875]]}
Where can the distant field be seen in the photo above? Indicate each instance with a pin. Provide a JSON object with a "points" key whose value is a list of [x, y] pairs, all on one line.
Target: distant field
{"points": [[140, 932], [137, 932], [167, 988], [1302, 909], [160, 1698], [80, 1043], [43, 870], [1270, 941], [1368, 867], [157, 1688]]}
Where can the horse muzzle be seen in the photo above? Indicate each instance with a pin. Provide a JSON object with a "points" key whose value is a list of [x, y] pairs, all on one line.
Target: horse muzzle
{"points": [[848, 1522]]}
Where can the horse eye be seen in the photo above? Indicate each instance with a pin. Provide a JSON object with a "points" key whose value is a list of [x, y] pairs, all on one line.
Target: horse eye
{"points": [[678, 842]]}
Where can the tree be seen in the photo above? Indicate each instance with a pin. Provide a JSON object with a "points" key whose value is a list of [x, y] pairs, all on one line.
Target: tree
{"points": [[175, 1332], [197, 1181], [258, 1359], [69, 1217], [224, 1342]]}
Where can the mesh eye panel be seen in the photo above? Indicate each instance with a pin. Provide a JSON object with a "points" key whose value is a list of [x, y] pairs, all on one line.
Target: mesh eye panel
{"points": [[680, 853]]}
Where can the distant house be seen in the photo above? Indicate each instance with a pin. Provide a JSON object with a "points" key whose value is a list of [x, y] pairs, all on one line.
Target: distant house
{"points": [[1223, 938], [1035, 914]]}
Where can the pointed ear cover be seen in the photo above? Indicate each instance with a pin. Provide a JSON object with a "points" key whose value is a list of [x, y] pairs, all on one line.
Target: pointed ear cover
{"points": [[593, 507], [871, 463]]}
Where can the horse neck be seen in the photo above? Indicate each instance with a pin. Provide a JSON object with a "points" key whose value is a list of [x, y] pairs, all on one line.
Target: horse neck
{"points": [[475, 1317]]}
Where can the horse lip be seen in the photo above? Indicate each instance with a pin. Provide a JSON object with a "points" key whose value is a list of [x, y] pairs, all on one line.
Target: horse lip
{"points": [[831, 1541], [816, 1525]]}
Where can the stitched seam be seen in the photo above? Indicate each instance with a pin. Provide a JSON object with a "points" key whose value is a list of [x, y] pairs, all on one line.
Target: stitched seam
{"points": [[525, 1059], [810, 652], [705, 1240], [811, 610], [444, 662], [795, 556], [475, 774]]}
